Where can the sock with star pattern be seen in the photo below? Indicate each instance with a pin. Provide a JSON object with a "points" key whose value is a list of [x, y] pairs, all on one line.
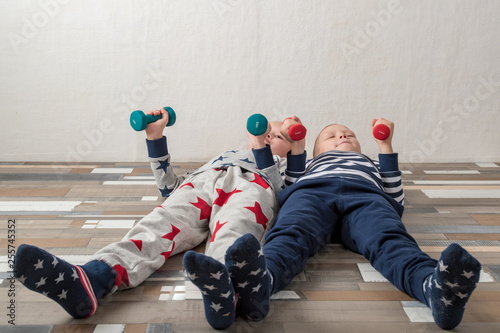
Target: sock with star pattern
{"points": [[212, 278], [251, 280], [448, 289], [76, 288]]}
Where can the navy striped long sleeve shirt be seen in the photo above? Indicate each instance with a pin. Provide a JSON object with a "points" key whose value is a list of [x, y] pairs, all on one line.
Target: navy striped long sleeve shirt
{"points": [[384, 174]]}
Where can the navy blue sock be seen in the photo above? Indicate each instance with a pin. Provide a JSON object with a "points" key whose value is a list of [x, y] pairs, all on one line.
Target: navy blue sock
{"points": [[450, 286], [76, 288], [252, 282], [212, 278]]}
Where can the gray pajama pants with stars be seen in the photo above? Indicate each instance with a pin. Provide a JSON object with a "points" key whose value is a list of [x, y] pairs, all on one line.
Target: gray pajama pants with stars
{"points": [[218, 205]]}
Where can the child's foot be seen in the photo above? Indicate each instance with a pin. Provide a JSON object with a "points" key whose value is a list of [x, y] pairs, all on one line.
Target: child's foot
{"points": [[448, 289], [212, 278], [68, 285], [252, 282]]}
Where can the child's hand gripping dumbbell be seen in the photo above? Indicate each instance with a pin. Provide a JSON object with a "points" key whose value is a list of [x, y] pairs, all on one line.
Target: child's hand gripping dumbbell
{"points": [[382, 130], [139, 120], [154, 122]]}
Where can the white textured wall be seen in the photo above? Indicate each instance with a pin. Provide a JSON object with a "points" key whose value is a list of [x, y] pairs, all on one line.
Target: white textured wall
{"points": [[72, 71]]}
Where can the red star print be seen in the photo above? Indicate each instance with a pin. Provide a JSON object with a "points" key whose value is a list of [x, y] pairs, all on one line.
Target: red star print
{"points": [[205, 209], [187, 184], [137, 243], [217, 228], [260, 181], [171, 235], [259, 215], [224, 197], [167, 254], [121, 275]]}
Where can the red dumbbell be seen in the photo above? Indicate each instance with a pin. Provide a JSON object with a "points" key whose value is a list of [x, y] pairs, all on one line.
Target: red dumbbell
{"points": [[296, 132], [381, 132]]}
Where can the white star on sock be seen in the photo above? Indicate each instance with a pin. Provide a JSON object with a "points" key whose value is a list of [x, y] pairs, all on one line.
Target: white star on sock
{"points": [[240, 265], [41, 282], [452, 285], [212, 287], [256, 289], [256, 272], [442, 267], [216, 307], [55, 262], [446, 302], [192, 277], [62, 295], [74, 275], [243, 285], [216, 275], [261, 253], [22, 278], [38, 265], [45, 293], [226, 295], [468, 275], [60, 278], [462, 296]]}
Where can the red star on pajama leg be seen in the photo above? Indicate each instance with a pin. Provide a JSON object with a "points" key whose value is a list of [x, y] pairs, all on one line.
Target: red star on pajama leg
{"points": [[259, 215], [260, 181], [224, 197], [121, 275], [217, 228], [205, 209], [137, 243], [187, 184], [172, 234]]}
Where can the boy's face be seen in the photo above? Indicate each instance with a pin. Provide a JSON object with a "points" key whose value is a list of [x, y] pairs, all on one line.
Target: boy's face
{"points": [[279, 145], [336, 137]]}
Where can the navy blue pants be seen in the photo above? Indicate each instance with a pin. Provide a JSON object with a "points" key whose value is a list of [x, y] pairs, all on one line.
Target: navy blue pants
{"points": [[365, 219]]}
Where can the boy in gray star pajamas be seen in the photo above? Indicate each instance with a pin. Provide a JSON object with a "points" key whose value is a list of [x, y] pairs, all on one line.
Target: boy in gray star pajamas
{"points": [[233, 194]]}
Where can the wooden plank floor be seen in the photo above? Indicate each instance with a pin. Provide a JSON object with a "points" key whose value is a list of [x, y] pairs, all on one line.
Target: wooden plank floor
{"points": [[74, 210]]}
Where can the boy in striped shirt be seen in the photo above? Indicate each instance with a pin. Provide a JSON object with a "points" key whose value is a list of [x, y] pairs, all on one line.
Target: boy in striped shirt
{"points": [[345, 195]]}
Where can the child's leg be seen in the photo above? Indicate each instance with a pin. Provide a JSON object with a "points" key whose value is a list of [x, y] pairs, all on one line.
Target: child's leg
{"points": [[176, 226], [304, 225], [242, 203], [373, 228]]}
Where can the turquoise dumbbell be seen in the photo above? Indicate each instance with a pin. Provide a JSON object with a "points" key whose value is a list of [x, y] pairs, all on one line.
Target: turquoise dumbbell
{"points": [[139, 120], [257, 124]]}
